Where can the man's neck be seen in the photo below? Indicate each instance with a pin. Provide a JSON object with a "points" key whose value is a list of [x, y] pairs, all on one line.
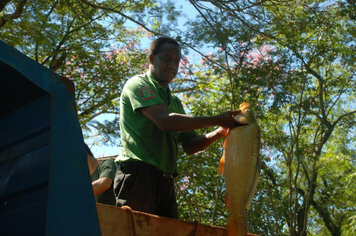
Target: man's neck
{"points": [[163, 84]]}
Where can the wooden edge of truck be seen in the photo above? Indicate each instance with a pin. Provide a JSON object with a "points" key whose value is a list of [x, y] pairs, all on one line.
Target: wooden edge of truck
{"points": [[126, 222]]}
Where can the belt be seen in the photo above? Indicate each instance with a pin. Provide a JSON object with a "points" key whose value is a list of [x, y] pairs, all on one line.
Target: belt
{"points": [[138, 163]]}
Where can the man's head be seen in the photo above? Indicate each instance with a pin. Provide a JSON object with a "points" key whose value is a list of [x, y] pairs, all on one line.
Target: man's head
{"points": [[164, 56], [157, 43]]}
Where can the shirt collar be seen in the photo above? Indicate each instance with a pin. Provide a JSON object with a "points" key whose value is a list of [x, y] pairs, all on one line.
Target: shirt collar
{"points": [[150, 77], [167, 90]]}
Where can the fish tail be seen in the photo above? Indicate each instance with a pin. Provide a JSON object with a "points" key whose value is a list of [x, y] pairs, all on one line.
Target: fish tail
{"points": [[221, 166], [234, 228]]}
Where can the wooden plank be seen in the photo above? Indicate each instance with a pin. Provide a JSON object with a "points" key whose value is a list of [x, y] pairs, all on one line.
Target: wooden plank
{"points": [[116, 221]]}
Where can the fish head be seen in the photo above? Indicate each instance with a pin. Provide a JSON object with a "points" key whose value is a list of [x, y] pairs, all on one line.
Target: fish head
{"points": [[246, 116]]}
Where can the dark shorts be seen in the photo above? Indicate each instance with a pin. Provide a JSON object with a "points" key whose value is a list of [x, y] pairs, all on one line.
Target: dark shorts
{"points": [[144, 188]]}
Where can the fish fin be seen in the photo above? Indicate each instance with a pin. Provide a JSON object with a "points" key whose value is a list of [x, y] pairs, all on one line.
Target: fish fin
{"points": [[222, 160], [234, 228], [226, 139], [253, 191], [256, 177], [221, 165], [227, 201]]}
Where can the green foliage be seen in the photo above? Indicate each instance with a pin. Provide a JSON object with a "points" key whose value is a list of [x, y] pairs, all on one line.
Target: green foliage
{"points": [[297, 70], [198, 188], [76, 40]]}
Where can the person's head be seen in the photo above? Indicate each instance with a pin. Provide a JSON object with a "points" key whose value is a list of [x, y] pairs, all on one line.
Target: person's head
{"points": [[88, 152], [92, 161], [164, 57]]}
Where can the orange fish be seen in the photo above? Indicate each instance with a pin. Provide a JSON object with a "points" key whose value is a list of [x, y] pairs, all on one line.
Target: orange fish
{"points": [[240, 166]]}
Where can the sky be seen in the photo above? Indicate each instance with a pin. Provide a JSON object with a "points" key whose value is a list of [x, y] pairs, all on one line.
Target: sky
{"points": [[103, 150]]}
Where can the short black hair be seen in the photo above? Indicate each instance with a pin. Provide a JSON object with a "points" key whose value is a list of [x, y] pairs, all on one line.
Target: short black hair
{"points": [[157, 43], [87, 149]]}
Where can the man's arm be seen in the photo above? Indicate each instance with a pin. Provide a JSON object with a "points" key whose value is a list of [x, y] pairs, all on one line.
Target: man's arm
{"points": [[200, 142], [101, 185], [166, 121]]}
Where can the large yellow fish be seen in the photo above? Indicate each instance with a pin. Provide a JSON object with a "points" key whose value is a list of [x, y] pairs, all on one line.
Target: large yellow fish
{"points": [[240, 165]]}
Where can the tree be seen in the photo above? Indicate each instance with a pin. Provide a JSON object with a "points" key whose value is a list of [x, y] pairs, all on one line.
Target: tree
{"points": [[304, 90], [73, 39]]}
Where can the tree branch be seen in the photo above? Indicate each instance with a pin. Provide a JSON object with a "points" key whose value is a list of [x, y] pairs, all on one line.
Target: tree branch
{"points": [[3, 4], [15, 15]]}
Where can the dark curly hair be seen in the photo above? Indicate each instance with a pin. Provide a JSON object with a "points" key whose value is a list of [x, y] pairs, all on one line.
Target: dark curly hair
{"points": [[88, 150], [157, 43]]}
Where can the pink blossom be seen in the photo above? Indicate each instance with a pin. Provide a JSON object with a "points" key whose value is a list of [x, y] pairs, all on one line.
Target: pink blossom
{"points": [[183, 187], [148, 34], [185, 61], [108, 56]]}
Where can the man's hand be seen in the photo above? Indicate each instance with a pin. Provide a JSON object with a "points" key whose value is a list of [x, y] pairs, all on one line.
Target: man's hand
{"points": [[223, 131], [227, 118]]}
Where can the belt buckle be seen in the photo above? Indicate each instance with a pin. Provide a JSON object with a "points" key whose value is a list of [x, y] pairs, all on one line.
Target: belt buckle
{"points": [[168, 175]]}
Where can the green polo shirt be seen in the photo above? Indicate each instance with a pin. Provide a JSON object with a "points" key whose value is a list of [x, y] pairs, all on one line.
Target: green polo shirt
{"points": [[106, 168], [141, 140]]}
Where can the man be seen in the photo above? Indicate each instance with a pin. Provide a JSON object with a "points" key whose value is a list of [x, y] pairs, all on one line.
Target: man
{"points": [[102, 175], [152, 123]]}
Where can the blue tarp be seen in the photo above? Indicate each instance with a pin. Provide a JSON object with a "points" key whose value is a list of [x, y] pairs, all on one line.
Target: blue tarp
{"points": [[45, 186]]}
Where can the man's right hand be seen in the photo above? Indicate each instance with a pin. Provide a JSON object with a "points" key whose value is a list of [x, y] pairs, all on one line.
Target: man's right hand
{"points": [[227, 118]]}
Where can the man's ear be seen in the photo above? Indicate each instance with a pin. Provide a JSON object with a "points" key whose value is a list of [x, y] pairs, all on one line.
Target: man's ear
{"points": [[150, 57]]}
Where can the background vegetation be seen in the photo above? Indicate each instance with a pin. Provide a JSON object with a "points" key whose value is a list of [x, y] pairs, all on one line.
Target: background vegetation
{"points": [[293, 60]]}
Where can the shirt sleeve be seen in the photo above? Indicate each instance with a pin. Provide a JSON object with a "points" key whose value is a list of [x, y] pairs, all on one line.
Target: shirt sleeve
{"points": [[140, 93], [107, 169]]}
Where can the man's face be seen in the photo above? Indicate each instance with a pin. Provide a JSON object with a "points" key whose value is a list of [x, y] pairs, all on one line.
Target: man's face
{"points": [[164, 65]]}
